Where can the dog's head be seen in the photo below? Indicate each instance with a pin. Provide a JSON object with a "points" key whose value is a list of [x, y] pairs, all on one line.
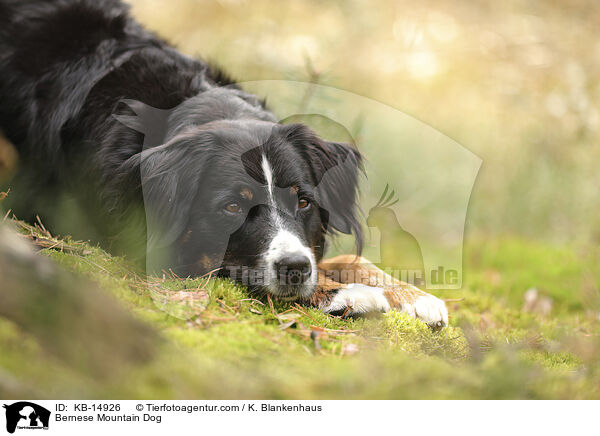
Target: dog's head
{"points": [[253, 199]]}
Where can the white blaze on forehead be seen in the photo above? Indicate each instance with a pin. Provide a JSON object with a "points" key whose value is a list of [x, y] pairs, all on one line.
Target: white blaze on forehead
{"points": [[268, 173], [284, 242], [266, 167]]}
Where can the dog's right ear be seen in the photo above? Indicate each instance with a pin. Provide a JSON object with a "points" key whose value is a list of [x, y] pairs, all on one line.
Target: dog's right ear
{"points": [[170, 177], [335, 168], [169, 184]]}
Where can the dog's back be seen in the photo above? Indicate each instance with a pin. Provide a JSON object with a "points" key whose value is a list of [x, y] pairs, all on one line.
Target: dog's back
{"points": [[52, 54], [64, 67]]}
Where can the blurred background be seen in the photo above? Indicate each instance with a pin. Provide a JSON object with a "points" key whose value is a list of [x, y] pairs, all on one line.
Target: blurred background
{"points": [[516, 83]]}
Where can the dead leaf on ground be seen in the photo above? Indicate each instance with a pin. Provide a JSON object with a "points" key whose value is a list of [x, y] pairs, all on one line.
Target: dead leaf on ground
{"points": [[287, 325]]}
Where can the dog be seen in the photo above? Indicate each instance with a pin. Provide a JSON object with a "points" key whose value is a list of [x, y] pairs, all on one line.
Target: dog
{"points": [[166, 151]]}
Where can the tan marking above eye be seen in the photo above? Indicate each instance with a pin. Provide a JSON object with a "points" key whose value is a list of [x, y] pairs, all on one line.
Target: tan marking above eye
{"points": [[186, 237], [247, 194], [233, 207], [294, 190], [206, 263]]}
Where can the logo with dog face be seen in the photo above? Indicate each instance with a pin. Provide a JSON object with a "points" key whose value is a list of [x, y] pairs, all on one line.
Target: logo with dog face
{"points": [[25, 415]]}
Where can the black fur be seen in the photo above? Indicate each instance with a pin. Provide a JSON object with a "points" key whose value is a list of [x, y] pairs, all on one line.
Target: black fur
{"points": [[72, 76]]}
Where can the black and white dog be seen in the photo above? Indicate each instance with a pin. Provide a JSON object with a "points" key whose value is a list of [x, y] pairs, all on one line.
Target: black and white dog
{"points": [[221, 186]]}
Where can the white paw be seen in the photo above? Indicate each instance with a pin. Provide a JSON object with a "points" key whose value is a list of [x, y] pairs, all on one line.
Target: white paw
{"points": [[429, 309], [357, 299]]}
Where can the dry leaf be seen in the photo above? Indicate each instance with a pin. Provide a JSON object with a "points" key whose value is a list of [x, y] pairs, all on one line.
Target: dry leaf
{"points": [[287, 325]]}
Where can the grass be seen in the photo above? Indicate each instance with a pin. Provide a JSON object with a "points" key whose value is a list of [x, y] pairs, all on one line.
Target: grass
{"points": [[221, 343]]}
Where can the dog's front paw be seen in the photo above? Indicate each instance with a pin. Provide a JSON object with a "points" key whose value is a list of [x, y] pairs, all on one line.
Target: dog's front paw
{"points": [[429, 309], [358, 299]]}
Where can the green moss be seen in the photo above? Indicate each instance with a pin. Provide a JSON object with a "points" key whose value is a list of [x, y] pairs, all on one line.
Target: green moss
{"points": [[232, 346], [415, 337]]}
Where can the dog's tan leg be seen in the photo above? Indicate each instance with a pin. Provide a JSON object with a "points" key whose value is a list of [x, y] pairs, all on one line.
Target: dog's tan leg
{"points": [[353, 285]]}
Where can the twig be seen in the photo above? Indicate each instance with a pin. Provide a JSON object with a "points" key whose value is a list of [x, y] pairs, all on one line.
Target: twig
{"points": [[271, 305], [347, 312], [46, 232], [324, 329], [299, 309], [287, 311], [223, 304], [50, 244], [254, 300]]}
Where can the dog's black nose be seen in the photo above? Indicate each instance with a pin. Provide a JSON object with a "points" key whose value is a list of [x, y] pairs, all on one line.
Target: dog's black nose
{"points": [[293, 269]]}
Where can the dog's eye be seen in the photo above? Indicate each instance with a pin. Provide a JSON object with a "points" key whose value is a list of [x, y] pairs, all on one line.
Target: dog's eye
{"points": [[303, 203], [233, 208]]}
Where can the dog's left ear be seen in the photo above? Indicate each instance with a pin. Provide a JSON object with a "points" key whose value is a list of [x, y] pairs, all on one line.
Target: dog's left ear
{"points": [[335, 168]]}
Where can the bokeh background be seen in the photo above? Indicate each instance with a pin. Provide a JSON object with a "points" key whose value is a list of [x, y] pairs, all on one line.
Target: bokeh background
{"points": [[515, 82]]}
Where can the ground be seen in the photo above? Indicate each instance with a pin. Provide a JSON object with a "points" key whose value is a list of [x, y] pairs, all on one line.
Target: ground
{"points": [[224, 344]]}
